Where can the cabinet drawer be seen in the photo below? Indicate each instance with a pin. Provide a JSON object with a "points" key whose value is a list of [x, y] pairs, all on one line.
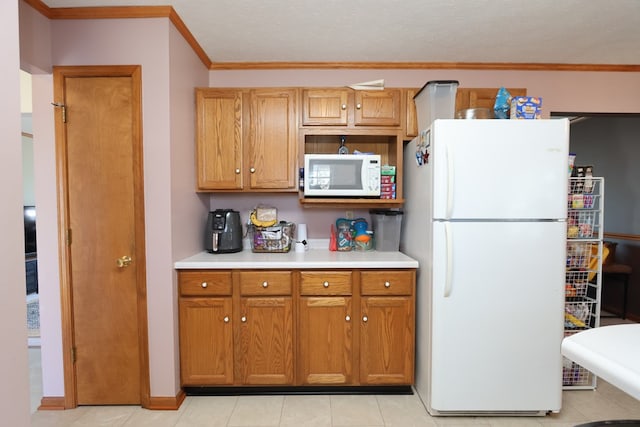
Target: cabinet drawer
{"points": [[199, 283], [387, 282], [325, 283], [265, 283]]}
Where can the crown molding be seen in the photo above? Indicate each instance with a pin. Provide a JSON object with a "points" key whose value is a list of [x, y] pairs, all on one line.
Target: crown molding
{"points": [[424, 66], [123, 12]]}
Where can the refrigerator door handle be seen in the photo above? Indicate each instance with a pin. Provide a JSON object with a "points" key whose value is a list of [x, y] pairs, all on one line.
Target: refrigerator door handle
{"points": [[448, 282], [450, 183]]}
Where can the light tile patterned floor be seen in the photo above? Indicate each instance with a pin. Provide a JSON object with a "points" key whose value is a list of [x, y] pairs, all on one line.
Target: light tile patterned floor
{"points": [[579, 406]]}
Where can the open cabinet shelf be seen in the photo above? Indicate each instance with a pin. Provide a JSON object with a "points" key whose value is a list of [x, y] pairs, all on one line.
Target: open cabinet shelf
{"points": [[387, 143]]}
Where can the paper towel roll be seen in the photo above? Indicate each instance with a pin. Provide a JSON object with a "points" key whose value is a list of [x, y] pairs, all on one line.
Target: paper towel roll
{"points": [[302, 236]]}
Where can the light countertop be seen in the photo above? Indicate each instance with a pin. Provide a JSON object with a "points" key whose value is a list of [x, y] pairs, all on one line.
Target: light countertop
{"points": [[318, 256]]}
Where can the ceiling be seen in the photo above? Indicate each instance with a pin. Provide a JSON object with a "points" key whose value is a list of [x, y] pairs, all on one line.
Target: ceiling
{"points": [[407, 31]]}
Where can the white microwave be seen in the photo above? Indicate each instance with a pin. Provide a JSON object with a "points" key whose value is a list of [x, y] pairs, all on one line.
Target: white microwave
{"points": [[342, 175]]}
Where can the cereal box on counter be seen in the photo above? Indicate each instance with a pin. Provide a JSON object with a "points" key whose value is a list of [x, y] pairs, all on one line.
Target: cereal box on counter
{"points": [[526, 107]]}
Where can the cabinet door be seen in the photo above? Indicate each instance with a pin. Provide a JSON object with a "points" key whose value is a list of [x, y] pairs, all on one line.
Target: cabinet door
{"points": [[482, 97], [377, 108], [387, 340], [206, 341], [325, 107], [325, 336], [273, 139], [411, 124], [266, 341], [219, 139]]}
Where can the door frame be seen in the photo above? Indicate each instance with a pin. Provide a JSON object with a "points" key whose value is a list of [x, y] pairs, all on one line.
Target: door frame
{"points": [[66, 297]]}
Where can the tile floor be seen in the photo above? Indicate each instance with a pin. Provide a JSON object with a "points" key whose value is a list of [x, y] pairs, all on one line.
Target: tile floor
{"points": [[579, 406]]}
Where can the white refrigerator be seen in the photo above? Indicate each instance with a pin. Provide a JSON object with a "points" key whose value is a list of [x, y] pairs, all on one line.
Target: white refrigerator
{"points": [[485, 216]]}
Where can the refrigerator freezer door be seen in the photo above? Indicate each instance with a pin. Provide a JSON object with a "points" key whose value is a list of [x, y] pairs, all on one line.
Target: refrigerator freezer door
{"points": [[497, 325], [486, 169]]}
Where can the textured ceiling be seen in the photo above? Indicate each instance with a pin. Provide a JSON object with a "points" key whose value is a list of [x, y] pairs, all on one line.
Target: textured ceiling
{"points": [[534, 31]]}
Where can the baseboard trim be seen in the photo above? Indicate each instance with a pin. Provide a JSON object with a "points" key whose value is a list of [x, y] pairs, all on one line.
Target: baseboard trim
{"points": [[51, 404], [270, 390], [167, 403]]}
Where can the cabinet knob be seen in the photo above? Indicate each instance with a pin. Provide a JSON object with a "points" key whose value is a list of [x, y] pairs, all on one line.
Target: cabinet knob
{"points": [[226, 319], [204, 284], [365, 319], [344, 106], [348, 318], [387, 284], [265, 284], [325, 284], [237, 171], [252, 170], [358, 106], [243, 319]]}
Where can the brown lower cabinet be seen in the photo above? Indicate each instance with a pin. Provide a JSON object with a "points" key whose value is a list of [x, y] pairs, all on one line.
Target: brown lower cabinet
{"points": [[297, 327]]}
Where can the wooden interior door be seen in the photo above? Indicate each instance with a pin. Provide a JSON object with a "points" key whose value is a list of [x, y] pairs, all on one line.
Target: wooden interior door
{"points": [[100, 163]]}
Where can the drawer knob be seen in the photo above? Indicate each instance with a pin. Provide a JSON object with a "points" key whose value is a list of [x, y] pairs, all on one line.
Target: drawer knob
{"points": [[265, 284], [348, 318], [237, 171], [243, 319], [344, 106], [358, 106], [325, 284], [226, 319], [252, 170], [387, 284], [204, 284], [365, 319]]}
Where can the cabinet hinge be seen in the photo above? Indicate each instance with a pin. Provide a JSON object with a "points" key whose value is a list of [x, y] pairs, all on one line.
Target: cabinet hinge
{"points": [[73, 355], [68, 237]]}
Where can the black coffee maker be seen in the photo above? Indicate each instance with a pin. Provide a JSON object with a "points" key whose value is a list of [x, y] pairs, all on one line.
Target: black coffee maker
{"points": [[224, 232]]}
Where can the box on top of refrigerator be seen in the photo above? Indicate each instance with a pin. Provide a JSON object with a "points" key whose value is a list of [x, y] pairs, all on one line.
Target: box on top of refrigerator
{"points": [[526, 107], [436, 100]]}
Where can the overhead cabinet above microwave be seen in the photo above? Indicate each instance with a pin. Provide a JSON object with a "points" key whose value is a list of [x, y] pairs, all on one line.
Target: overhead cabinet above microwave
{"points": [[351, 108]]}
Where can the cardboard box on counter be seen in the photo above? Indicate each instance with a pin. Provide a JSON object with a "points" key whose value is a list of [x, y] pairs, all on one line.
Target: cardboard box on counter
{"points": [[526, 107], [388, 195]]}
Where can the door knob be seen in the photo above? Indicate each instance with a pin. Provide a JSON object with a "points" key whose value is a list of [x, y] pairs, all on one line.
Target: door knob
{"points": [[124, 261]]}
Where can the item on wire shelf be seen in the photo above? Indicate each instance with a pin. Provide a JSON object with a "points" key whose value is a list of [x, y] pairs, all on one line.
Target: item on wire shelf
{"points": [[277, 238]]}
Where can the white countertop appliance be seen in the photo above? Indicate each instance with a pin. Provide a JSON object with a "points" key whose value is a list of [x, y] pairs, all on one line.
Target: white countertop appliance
{"points": [[485, 217], [342, 175]]}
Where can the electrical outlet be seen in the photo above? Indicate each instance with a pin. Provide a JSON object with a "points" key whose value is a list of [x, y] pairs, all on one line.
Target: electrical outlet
{"points": [[348, 214]]}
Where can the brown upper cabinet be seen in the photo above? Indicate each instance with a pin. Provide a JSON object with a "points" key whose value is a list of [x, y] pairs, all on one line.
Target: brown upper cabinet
{"points": [[351, 108], [411, 124], [246, 139]]}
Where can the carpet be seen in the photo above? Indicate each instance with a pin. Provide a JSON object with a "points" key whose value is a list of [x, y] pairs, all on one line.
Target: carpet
{"points": [[33, 315]]}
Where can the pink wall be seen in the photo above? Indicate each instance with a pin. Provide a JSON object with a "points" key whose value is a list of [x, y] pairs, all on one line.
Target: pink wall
{"points": [[168, 83], [561, 92], [14, 389], [186, 72], [574, 91], [170, 70]]}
